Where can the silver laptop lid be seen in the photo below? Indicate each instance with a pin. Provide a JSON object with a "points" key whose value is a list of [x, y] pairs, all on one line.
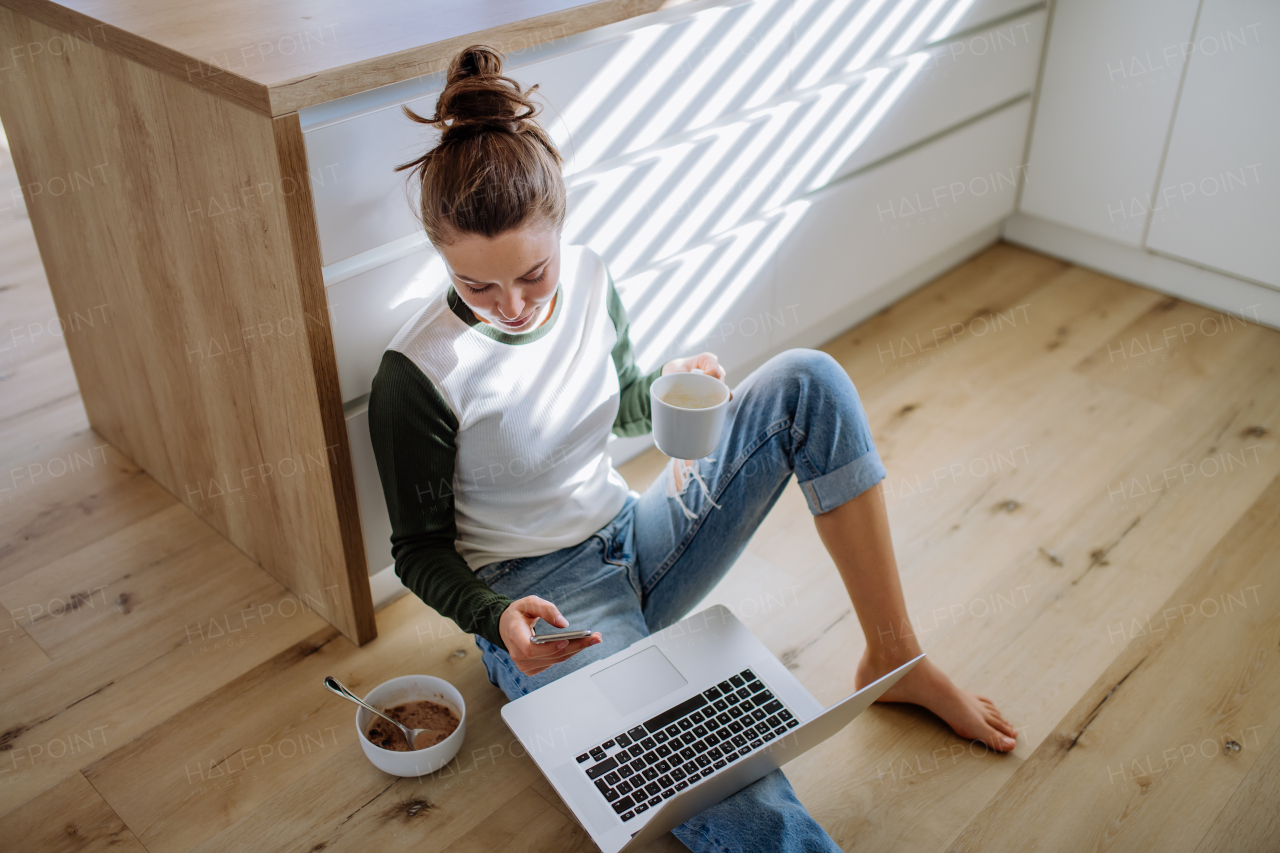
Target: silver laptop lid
{"points": [[773, 755], [559, 723]]}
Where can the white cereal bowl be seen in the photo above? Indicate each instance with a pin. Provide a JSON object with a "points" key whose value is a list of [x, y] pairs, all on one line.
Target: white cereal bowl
{"points": [[410, 688]]}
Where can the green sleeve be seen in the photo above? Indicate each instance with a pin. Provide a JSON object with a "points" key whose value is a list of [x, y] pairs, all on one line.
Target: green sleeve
{"points": [[413, 432], [634, 414]]}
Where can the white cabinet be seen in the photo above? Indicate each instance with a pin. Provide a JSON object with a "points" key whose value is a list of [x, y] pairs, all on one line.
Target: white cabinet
{"points": [[1218, 204], [686, 197], [686, 192], [1152, 155], [751, 172], [1111, 77], [867, 76], [751, 290]]}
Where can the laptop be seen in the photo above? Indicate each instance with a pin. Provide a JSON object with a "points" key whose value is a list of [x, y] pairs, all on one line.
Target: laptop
{"points": [[641, 741]]}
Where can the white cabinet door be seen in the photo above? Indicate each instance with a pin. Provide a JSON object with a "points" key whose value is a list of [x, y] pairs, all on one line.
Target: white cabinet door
{"points": [[858, 235], [1218, 204], [1106, 101]]}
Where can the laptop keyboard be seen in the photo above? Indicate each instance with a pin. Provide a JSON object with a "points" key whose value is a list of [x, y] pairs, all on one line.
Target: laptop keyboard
{"points": [[638, 769]]}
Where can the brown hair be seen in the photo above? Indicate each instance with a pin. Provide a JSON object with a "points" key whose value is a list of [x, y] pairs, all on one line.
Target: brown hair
{"points": [[494, 167]]}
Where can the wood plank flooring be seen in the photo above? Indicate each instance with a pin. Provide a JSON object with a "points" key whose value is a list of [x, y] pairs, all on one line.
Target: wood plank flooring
{"points": [[1084, 491]]}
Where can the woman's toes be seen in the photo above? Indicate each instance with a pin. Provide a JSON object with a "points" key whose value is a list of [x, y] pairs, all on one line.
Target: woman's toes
{"points": [[1003, 727], [999, 722], [997, 740], [992, 710], [1001, 742]]}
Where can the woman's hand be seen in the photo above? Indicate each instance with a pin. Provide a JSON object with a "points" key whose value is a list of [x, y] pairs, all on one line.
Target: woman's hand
{"points": [[705, 361], [516, 627]]}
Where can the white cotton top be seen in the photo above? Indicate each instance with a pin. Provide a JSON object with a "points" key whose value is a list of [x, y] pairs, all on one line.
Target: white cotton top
{"points": [[534, 412]]}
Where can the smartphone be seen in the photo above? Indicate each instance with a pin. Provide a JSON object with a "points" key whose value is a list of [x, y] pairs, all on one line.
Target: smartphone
{"points": [[557, 636]]}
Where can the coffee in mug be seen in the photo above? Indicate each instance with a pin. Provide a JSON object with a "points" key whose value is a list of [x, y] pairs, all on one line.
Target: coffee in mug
{"points": [[686, 398]]}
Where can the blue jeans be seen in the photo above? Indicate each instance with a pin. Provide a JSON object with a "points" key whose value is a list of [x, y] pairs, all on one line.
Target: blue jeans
{"points": [[660, 555]]}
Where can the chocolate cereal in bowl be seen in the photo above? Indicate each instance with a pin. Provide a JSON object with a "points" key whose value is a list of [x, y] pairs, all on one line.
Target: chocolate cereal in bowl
{"points": [[438, 720], [416, 702]]}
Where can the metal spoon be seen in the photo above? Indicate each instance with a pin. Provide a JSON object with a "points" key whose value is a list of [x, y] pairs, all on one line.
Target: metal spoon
{"points": [[410, 735]]}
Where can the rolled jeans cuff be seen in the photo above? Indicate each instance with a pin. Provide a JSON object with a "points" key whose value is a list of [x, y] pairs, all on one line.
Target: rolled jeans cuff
{"points": [[836, 487]]}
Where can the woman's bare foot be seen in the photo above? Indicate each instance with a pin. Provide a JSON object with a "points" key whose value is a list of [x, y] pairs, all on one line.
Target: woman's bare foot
{"points": [[973, 717]]}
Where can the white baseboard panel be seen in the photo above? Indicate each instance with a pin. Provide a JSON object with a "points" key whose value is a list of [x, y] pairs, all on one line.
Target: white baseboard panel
{"points": [[386, 587], [1246, 300]]}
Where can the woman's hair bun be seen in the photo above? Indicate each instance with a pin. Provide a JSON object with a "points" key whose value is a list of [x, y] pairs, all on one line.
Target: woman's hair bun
{"points": [[477, 97], [494, 167]]}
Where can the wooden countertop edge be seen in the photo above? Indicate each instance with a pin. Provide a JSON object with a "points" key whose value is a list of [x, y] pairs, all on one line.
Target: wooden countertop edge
{"points": [[287, 96], [292, 95], [225, 84]]}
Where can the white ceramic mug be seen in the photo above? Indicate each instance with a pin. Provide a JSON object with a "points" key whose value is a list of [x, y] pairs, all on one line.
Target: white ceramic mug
{"points": [[688, 433]]}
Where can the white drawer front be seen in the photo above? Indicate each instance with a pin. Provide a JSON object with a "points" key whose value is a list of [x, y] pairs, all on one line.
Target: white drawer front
{"points": [[667, 79], [630, 89], [966, 15], [360, 201], [641, 210], [366, 311], [950, 83], [861, 234], [743, 295]]}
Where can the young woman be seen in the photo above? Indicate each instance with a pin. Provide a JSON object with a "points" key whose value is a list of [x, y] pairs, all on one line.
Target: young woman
{"points": [[489, 417]]}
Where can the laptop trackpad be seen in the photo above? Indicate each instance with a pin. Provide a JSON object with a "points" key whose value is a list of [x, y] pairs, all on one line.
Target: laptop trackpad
{"points": [[640, 679]]}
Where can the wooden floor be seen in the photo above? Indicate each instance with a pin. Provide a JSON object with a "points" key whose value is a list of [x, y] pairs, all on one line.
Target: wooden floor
{"points": [[1085, 500]]}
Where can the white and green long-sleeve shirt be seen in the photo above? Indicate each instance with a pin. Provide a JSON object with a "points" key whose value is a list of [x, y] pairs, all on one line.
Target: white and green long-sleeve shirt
{"points": [[492, 445]]}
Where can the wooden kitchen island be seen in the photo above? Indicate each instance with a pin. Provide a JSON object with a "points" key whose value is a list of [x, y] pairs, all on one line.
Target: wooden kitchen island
{"points": [[163, 166]]}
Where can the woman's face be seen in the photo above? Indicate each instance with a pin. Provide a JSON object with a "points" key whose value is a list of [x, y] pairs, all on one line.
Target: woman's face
{"points": [[506, 280]]}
